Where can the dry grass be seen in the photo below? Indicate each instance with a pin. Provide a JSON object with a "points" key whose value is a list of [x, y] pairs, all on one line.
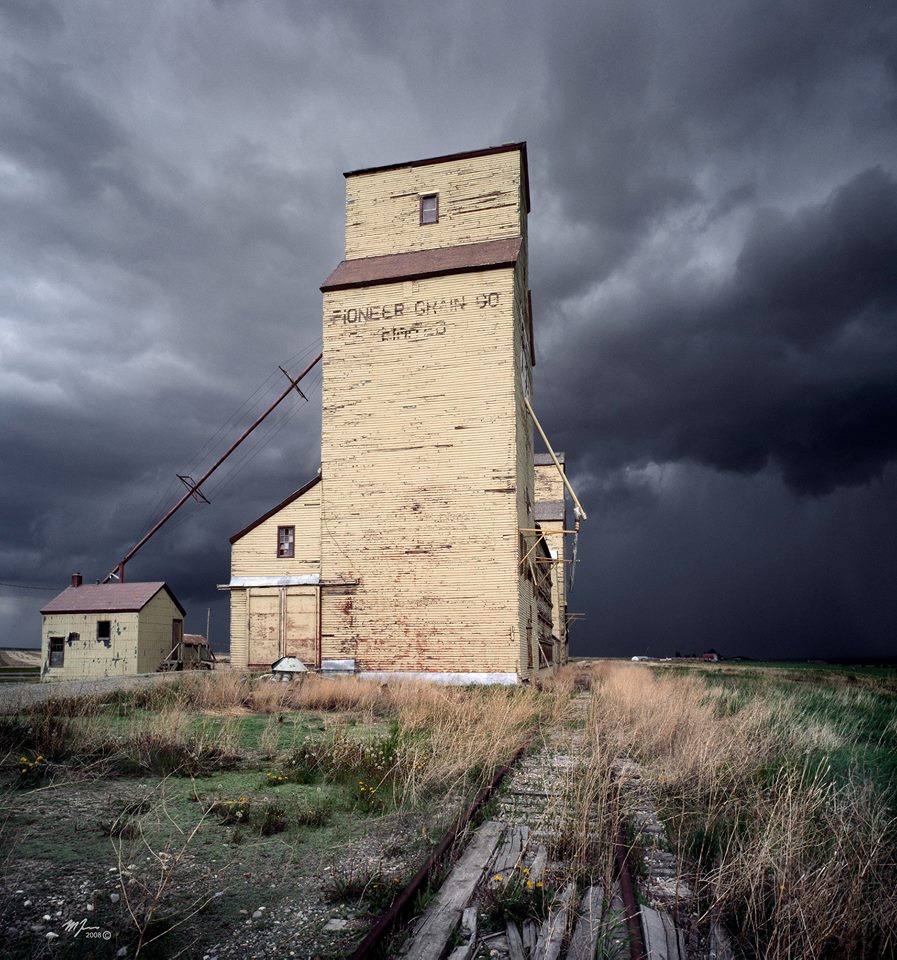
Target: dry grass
{"points": [[454, 735], [447, 739], [799, 863]]}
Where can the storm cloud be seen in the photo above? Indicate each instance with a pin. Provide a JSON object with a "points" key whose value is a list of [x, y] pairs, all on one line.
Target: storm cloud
{"points": [[712, 251]]}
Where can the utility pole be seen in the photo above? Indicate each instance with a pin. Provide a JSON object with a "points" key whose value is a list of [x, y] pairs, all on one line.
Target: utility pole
{"points": [[193, 488]]}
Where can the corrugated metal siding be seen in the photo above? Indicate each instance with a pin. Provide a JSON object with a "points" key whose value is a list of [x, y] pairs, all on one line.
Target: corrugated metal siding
{"points": [[420, 476], [479, 199]]}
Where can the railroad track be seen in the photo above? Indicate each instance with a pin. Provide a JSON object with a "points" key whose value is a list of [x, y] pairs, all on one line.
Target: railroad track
{"points": [[533, 800]]}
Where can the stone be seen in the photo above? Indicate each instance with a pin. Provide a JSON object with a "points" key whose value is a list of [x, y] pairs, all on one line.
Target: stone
{"points": [[337, 923], [257, 915], [114, 897]]}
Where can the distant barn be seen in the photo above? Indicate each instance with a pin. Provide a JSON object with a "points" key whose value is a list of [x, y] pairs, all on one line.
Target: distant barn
{"points": [[109, 629]]}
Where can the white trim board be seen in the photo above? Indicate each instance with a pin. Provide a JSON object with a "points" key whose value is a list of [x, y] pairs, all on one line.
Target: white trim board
{"points": [[306, 580], [443, 677]]}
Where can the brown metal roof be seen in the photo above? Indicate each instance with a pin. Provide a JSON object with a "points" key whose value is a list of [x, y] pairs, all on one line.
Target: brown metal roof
{"points": [[468, 257], [550, 510], [108, 598], [544, 459], [465, 155], [284, 503]]}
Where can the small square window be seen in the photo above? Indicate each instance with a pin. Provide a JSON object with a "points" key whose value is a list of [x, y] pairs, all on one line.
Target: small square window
{"points": [[104, 629], [286, 541], [429, 208]]}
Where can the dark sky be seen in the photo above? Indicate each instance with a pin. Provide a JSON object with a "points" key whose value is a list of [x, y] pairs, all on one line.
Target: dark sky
{"points": [[713, 260]]}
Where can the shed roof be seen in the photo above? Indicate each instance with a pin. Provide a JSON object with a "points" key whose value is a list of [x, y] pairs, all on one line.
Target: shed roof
{"points": [[550, 510], [109, 598], [392, 267], [295, 495], [544, 459]]}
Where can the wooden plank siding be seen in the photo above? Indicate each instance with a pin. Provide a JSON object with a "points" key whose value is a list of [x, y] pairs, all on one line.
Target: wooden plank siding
{"points": [[255, 553], [427, 451], [239, 632], [155, 626], [420, 479], [480, 198], [427, 473], [550, 487], [137, 641], [268, 622]]}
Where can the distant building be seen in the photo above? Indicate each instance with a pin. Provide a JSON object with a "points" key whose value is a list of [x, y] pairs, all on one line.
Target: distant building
{"points": [[711, 656], [109, 629], [419, 550]]}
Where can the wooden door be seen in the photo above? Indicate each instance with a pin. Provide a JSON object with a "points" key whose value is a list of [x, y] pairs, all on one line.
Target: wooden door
{"points": [[264, 626], [301, 624]]}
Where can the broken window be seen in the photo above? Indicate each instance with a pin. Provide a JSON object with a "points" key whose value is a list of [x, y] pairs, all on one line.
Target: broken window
{"points": [[286, 541], [104, 630], [57, 651], [429, 208]]}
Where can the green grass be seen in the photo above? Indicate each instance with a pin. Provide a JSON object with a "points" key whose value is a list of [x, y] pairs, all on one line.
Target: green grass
{"points": [[858, 706], [248, 730]]}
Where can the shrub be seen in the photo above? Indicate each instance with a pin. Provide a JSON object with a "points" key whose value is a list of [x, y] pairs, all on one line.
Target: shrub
{"points": [[370, 884], [272, 818], [513, 896], [32, 770]]}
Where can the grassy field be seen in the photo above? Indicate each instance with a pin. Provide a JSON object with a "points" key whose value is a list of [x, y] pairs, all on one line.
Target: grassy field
{"points": [[219, 813], [777, 788], [216, 807]]}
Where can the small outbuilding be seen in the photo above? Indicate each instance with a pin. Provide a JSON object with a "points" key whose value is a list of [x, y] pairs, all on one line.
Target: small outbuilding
{"points": [[109, 629]]}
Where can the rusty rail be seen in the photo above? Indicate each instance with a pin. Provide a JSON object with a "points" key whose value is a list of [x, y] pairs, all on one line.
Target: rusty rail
{"points": [[392, 914]]}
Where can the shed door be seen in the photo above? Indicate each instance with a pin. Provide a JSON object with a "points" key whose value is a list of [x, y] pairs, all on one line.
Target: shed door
{"points": [[264, 625], [301, 622]]}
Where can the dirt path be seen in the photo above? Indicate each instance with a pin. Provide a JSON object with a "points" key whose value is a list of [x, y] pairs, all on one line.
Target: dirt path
{"points": [[16, 696]]}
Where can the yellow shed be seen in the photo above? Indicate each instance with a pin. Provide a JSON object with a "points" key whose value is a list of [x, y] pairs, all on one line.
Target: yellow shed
{"points": [[109, 630]]}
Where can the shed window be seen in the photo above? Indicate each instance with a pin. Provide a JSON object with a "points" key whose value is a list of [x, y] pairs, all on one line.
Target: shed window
{"points": [[57, 651], [104, 629], [429, 208], [286, 541]]}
